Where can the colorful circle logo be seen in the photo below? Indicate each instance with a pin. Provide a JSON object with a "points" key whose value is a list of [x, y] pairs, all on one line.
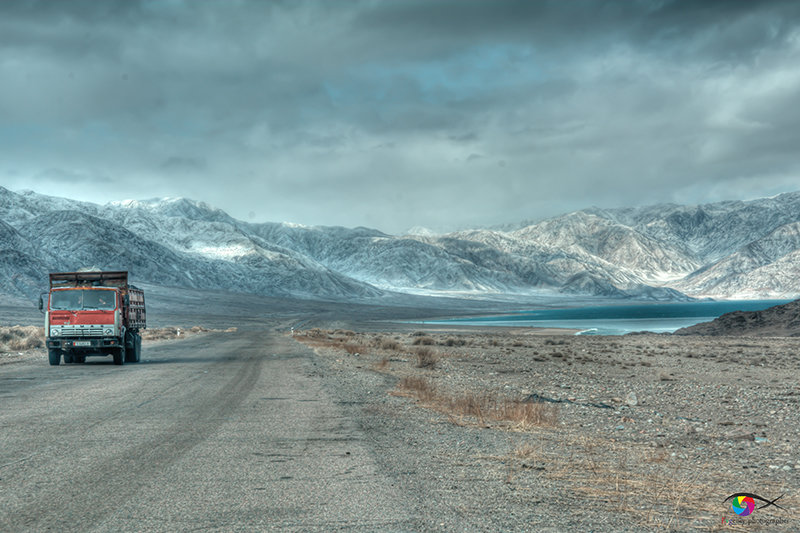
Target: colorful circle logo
{"points": [[743, 505]]}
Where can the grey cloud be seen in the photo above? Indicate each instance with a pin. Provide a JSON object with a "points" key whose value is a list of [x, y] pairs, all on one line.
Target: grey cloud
{"points": [[298, 103]]}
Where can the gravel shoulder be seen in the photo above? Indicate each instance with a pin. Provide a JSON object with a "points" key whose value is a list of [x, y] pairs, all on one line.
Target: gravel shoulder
{"points": [[652, 431]]}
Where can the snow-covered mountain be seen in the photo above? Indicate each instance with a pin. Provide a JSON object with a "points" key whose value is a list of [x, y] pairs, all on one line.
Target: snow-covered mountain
{"points": [[168, 242], [741, 249]]}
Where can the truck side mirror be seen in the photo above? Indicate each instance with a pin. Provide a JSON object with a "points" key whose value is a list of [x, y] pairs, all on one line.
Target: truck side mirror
{"points": [[41, 304]]}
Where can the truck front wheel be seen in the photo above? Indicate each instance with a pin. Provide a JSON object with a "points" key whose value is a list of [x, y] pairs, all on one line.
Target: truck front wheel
{"points": [[119, 356], [55, 357]]}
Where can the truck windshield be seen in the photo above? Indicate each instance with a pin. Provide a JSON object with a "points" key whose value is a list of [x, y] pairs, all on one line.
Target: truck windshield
{"points": [[77, 300]]}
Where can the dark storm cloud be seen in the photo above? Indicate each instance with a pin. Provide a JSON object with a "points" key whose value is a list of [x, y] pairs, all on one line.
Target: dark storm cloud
{"points": [[393, 114]]}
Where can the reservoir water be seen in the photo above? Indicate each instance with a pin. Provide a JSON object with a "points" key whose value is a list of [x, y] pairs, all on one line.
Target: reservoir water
{"points": [[618, 319]]}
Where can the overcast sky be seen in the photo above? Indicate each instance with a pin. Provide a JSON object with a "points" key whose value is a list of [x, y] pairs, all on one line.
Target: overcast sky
{"points": [[391, 114]]}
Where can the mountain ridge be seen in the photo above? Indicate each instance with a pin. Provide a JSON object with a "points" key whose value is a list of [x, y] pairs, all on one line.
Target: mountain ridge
{"points": [[659, 252]]}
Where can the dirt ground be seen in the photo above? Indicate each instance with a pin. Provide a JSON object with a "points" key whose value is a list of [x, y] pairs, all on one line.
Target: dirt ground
{"points": [[638, 432]]}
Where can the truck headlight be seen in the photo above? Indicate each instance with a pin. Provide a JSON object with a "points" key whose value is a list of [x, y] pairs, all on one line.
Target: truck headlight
{"points": [[55, 332], [108, 331]]}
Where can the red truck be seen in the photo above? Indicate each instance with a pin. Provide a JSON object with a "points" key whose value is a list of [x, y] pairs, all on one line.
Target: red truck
{"points": [[93, 313]]}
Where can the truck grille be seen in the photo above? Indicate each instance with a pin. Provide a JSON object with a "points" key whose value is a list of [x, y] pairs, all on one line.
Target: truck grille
{"points": [[82, 331]]}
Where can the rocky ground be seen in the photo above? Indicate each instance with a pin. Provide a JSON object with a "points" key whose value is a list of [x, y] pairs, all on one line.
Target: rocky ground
{"points": [[507, 429]]}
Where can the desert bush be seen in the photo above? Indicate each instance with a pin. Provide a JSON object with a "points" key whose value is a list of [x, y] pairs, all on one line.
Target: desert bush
{"points": [[172, 332], [381, 365], [20, 338], [455, 342], [426, 357], [316, 333], [168, 332], [426, 341], [390, 344], [353, 349]]}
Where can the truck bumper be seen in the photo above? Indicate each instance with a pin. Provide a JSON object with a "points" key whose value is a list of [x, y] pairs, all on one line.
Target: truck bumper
{"points": [[72, 343]]}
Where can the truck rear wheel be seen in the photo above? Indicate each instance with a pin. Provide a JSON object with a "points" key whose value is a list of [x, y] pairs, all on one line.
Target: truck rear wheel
{"points": [[55, 357], [133, 348], [119, 356]]}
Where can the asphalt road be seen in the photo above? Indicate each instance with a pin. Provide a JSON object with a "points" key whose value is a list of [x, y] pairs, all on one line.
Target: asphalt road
{"points": [[226, 432]]}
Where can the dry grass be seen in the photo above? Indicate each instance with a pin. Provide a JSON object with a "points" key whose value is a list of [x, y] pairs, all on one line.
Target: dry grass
{"points": [[340, 339], [483, 408], [425, 341], [21, 338], [419, 388]]}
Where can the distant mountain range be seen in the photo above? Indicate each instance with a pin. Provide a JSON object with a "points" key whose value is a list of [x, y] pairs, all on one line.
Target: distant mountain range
{"points": [[663, 252]]}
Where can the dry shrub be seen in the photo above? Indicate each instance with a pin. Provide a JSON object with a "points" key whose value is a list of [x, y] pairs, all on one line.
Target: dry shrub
{"points": [[20, 338], [390, 344], [316, 333], [154, 334], [427, 357], [381, 365], [353, 349], [455, 342], [172, 332], [426, 341]]}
